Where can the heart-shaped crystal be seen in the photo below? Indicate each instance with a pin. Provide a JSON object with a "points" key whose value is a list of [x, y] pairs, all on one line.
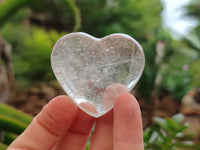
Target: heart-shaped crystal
{"points": [[93, 72]]}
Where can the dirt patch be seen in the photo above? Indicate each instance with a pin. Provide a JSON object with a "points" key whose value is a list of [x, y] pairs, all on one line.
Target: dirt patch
{"points": [[35, 97]]}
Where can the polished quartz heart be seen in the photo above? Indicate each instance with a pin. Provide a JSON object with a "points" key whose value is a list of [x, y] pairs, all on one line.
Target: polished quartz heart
{"points": [[93, 72]]}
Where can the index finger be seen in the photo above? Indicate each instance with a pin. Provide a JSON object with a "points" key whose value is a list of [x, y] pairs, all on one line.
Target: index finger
{"points": [[128, 131], [48, 127]]}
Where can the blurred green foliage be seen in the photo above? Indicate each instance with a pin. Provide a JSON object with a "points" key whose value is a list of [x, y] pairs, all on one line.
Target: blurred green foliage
{"points": [[181, 71], [192, 41], [133, 17], [168, 134], [32, 49], [12, 123], [194, 72], [9, 7]]}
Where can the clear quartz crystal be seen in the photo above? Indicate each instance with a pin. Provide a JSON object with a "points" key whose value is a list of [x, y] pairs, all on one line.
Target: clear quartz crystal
{"points": [[93, 72]]}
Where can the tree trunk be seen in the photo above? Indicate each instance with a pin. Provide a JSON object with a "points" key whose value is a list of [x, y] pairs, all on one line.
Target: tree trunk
{"points": [[6, 73]]}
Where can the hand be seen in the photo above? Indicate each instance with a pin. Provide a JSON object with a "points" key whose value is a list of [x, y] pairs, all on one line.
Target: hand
{"points": [[62, 126]]}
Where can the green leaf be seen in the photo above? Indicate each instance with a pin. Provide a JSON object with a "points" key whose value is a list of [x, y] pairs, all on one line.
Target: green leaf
{"points": [[8, 111], [161, 122], [9, 7], [87, 147], [12, 125], [173, 127], [148, 134], [178, 118], [3, 146], [9, 138], [77, 14]]}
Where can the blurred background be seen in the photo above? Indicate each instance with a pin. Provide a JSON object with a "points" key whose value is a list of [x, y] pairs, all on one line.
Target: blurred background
{"points": [[169, 32]]}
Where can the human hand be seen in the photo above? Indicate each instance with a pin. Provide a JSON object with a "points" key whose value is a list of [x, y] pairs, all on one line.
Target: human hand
{"points": [[61, 125]]}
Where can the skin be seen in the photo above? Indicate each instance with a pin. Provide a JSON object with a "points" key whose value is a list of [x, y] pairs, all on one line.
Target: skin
{"points": [[61, 125]]}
